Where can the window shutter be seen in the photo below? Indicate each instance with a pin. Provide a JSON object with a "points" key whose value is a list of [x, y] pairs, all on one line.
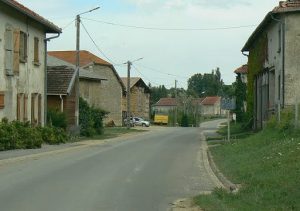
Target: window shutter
{"points": [[18, 107], [16, 55], [25, 107], [8, 36], [33, 121], [40, 110], [2, 105]]}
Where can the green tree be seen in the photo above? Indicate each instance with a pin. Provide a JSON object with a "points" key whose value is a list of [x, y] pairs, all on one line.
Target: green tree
{"points": [[240, 93]]}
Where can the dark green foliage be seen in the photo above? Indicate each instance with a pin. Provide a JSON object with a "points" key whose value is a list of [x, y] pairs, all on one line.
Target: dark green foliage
{"points": [[17, 135], [157, 93], [53, 135], [240, 93], [56, 118], [256, 59], [210, 83], [184, 120], [90, 119]]}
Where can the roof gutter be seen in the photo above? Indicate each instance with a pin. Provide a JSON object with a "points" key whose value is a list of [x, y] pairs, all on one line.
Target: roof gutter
{"points": [[46, 78]]}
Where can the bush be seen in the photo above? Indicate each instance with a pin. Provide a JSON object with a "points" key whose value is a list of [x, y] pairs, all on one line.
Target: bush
{"points": [[90, 119], [56, 118], [52, 135], [17, 135]]}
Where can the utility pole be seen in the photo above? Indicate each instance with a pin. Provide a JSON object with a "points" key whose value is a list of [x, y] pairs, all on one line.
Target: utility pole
{"points": [[77, 68], [78, 61], [176, 109], [128, 93]]}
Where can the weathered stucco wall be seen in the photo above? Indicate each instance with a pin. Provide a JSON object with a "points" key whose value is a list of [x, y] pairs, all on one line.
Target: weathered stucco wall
{"points": [[106, 95], [292, 59], [30, 79]]}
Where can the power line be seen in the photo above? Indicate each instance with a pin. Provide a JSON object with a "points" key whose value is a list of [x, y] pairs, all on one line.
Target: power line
{"points": [[69, 24], [144, 75], [169, 74], [169, 29], [98, 48]]}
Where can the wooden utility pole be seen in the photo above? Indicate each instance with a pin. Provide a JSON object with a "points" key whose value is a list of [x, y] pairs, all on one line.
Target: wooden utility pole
{"points": [[128, 93], [176, 101], [77, 68]]}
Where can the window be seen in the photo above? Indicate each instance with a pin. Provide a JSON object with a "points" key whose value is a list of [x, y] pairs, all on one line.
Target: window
{"points": [[2, 103], [23, 47], [22, 114], [36, 109], [36, 60], [16, 55]]}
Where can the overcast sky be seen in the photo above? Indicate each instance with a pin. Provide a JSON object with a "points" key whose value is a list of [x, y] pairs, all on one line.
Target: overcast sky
{"points": [[168, 55]]}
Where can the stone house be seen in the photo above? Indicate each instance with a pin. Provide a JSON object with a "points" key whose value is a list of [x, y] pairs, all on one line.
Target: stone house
{"points": [[273, 62], [211, 106], [139, 98], [23, 44], [100, 84], [243, 71], [164, 105]]}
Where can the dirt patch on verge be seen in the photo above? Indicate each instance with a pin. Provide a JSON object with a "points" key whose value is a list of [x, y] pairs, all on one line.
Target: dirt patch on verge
{"points": [[184, 205]]}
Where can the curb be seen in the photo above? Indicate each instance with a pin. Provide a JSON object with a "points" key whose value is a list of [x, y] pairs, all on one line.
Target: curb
{"points": [[227, 184]]}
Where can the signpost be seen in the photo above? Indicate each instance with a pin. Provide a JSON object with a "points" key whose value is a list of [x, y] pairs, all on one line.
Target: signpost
{"points": [[228, 104]]}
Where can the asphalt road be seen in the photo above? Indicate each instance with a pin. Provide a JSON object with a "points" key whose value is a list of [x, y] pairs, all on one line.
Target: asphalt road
{"points": [[143, 172]]}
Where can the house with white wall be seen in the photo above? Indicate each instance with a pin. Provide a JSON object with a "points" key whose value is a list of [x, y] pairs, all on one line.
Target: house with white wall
{"points": [[23, 36]]}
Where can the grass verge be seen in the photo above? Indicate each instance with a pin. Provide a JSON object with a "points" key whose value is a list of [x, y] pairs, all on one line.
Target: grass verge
{"points": [[112, 132], [266, 164]]}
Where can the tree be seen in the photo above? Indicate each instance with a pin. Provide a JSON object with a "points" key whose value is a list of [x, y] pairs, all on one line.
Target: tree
{"points": [[240, 93]]}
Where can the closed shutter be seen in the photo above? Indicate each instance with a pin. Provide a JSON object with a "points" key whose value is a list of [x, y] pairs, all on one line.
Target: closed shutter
{"points": [[2, 105], [25, 107], [18, 107], [16, 57], [40, 109], [33, 121], [8, 36]]}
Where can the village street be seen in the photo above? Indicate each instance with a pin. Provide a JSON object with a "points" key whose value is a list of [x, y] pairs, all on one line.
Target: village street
{"points": [[147, 171]]}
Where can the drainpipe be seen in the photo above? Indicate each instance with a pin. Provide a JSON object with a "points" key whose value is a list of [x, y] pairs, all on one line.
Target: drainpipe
{"points": [[282, 85], [61, 103], [46, 80]]}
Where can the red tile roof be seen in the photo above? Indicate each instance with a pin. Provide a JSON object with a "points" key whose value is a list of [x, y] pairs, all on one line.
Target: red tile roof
{"points": [[50, 27], [86, 57], [243, 69], [166, 102], [211, 100]]}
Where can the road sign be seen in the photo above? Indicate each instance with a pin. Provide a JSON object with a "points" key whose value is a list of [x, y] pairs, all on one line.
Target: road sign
{"points": [[228, 103]]}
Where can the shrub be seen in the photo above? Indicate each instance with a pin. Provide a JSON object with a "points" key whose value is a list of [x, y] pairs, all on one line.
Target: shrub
{"points": [[90, 119], [56, 118], [52, 135]]}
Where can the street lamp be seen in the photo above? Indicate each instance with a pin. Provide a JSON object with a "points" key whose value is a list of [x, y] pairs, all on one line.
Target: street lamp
{"points": [[78, 59], [129, 63]]}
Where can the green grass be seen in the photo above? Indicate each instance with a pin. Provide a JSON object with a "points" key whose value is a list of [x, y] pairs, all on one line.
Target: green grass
{"points": [[267, 165], [112, 132]]}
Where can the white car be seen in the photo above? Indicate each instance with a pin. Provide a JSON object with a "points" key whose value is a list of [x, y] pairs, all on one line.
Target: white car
{"points": [[141, 122]]}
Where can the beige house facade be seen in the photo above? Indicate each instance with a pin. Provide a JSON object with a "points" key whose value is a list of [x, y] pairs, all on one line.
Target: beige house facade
{"points": [[100, 84], [139, 98], [22, 62]]}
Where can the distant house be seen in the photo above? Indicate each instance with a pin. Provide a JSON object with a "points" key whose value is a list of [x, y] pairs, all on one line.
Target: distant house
{"points": [[22, 62], [273, 62], [102, 94], [139, 98], [243, 71], [211, 106], [164, 105]]}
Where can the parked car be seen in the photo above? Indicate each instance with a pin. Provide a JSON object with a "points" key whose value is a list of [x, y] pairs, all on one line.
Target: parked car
{"points": [[141, 122], [132, 122]]}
